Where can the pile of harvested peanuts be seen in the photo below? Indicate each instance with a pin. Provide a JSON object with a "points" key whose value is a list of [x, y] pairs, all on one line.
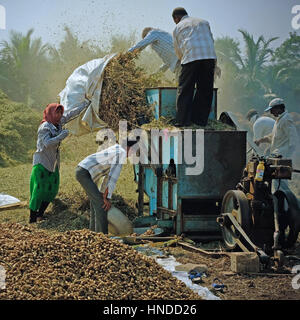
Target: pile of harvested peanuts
{"points": [[80, 265]]}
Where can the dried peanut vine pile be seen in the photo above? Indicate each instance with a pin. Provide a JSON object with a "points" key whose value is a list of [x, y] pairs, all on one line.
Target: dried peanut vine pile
{"points": [[80, 265], [123, 92]]}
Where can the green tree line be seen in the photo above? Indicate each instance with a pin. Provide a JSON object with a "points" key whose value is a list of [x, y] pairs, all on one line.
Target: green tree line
{"points": [[32, 73], [250, 79]]}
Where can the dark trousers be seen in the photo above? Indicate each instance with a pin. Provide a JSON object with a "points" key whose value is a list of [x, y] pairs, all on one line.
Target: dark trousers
{"points": [[98, 216], [195, 108]]}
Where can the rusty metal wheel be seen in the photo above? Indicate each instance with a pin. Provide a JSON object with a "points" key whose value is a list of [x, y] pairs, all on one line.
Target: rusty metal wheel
{"points": [[236, 203]]}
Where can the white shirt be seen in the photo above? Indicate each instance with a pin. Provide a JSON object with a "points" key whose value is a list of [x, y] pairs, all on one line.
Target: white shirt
{"points": [[193, 40], [162, 43], [262, 127], [106, 163], [284, 136]]}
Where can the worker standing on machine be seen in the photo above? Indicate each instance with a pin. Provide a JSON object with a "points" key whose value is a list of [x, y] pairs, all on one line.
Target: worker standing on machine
{"points": [[194, 47]]}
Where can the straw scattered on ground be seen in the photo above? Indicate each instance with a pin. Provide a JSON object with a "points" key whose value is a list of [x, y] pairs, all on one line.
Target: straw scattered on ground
{"points": [[168, 123]]}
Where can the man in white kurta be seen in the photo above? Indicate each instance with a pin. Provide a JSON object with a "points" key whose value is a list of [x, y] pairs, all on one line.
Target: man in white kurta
{"points": [[284, 137]]}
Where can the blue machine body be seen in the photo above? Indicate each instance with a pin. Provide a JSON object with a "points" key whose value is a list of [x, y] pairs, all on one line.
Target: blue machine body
{"points": [[191, 203], [163, 100]]}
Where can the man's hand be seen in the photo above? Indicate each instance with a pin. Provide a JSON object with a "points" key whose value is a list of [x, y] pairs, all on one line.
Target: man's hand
{"points": [[107, 204], [257, 142], [218, 72], [262, 140]]}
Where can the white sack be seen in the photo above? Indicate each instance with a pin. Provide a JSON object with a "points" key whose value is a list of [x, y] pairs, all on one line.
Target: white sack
{"points": [[85, 82]]}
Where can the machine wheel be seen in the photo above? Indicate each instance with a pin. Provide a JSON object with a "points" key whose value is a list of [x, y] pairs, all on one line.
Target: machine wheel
{"points": [[236, 203]]}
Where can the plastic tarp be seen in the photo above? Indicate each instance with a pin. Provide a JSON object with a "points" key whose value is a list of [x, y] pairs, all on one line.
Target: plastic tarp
{"points": [[85, 82], [170, 263], [6, 199]]}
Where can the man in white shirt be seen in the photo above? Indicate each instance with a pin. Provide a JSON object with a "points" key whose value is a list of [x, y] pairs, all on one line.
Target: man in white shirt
{"points": [[283, 139], [262, 126], [194, 47], [162, 43], [284, 136], [106, 164]]}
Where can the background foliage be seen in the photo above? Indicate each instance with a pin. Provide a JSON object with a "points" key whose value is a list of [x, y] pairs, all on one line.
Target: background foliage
{"points": [[32, 73]]}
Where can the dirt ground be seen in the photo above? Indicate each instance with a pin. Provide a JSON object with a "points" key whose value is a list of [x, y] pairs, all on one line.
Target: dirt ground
{"points": [[242, 286]]}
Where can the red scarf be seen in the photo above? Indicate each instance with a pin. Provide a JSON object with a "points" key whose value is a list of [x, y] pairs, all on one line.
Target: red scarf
{"points": [[49, 113]]}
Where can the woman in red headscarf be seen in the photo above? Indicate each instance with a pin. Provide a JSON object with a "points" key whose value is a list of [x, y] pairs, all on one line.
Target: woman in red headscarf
{"points": [[44, 180]]}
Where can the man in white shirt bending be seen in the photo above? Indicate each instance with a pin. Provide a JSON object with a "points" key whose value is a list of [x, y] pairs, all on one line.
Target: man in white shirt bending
{"points": [[106, 164], [194, 47], [162, 43]]}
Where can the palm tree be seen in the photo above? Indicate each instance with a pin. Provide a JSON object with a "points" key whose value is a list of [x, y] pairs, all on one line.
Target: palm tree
{"points": [[71, 52], [283, 74], [228, 52], [247, 70], [251, 66], [67, 56], [22, 59]]}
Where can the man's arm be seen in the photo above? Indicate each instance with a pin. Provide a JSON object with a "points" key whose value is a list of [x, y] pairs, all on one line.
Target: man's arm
{"points": [[163, 68], [115, 170], [176, 46], [115, 158], [265, 139], [107, 204], [150, 37]]}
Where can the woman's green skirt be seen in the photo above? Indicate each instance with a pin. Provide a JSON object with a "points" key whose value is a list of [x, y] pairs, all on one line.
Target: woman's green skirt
{"points": [[44, 186]]}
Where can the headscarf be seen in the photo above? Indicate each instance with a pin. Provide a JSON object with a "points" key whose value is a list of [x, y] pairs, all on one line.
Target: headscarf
{"points": [[49, 112]]}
